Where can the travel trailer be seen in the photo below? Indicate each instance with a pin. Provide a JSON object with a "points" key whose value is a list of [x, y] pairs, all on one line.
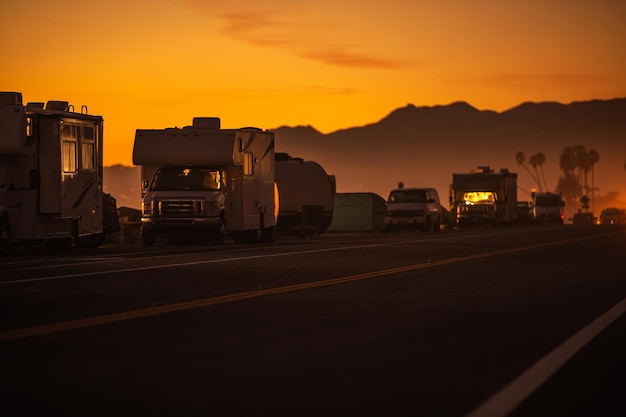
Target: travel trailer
{"points": [[306, 195]]}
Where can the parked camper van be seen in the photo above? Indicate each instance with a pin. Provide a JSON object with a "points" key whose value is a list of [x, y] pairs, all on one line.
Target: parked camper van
{"points": [[205, 181], [413, 208], [484, 196]]}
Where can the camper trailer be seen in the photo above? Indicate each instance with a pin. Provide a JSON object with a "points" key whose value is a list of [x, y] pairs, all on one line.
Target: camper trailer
{"points": [[51, 175], [306, 196], [205, 181]]}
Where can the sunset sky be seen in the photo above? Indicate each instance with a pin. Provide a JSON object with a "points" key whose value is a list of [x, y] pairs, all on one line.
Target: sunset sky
{"points": [[328, 64]]}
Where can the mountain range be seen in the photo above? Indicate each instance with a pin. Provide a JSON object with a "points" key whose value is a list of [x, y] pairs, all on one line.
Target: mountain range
{"points": [[423, 146]]}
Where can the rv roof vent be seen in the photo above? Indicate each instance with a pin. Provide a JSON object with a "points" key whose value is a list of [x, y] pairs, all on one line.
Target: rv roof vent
{"points": [[36, 104], [57, 105], [206, 122], [281, 156], [8, 97]]}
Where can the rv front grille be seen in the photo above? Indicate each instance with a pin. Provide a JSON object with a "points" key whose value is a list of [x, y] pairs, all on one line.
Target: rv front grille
{"points": [[180, 208]]}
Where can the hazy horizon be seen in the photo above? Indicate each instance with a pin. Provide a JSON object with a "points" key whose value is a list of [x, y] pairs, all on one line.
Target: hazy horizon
{"points": [[331, 65]]}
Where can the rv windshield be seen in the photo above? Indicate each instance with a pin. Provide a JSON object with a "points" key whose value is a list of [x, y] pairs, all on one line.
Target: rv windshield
{"points": [[548, 200], [479, 197], [187, 178]]}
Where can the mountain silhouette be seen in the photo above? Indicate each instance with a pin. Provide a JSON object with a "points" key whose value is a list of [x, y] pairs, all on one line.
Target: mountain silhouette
{"points": [[423, 146]]}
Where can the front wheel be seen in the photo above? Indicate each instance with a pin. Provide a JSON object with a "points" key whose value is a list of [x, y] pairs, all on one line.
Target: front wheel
{"points": [[428, 226], [4, 237], [148, 237], [437, 225]]}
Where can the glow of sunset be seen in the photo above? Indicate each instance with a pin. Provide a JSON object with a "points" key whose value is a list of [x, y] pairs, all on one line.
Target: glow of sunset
{"points": [[329, 64]]}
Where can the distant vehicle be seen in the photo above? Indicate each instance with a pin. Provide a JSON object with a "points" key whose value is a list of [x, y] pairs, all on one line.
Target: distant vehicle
{"points": [[613, 215], [484, 196], [413, 207], [548, 207], [524, 211], [583, 219], [51, 189]]}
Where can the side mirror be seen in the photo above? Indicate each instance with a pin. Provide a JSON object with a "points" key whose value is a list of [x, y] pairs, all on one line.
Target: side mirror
{"points": [[144, 187]]}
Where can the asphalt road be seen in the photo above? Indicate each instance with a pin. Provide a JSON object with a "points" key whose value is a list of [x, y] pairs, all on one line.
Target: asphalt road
{"points": [[521, 321]]}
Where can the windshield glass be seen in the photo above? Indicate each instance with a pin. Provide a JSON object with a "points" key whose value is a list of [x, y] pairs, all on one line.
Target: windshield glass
{"points": [[407, 196], [187, 178], [479, 197], [548, 200]]}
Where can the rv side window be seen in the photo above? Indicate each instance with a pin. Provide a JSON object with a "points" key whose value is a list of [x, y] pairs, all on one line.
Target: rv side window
{"points": [[248, 165], [69, 156], [87, 155], [29, 127]]}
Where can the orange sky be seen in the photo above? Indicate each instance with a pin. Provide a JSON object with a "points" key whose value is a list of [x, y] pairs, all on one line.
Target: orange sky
{"points": [[331, 64]]}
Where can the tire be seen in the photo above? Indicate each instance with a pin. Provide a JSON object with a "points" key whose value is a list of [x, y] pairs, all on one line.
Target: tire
{"points": [[267, 235], [4, 238], [437, 225], [148, 237], [428, 226]]}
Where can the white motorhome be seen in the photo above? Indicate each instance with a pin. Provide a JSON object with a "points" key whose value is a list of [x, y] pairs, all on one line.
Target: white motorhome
{"points": [[207, 181], [548, 207], [413, 207], [51, 175]]}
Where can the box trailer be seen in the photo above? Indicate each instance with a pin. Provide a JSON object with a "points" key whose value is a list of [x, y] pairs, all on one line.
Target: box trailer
{"points": [[51, 175], [358, 212], [206, 181]]}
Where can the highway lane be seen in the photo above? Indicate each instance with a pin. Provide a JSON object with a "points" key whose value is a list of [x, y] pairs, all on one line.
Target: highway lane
{"points": [[335, 325]]}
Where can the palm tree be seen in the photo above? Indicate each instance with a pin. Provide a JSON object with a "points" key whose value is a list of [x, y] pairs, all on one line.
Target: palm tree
{"points": [[567, 161], [520, 158], [594, 157], [569, 184], [583, 164], [570, 187], [537, 160]]}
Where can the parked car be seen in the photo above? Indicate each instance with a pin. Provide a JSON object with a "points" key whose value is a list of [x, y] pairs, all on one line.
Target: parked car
{"points": [[524, 211], [413, 207], [583, 218], [613, 215]]}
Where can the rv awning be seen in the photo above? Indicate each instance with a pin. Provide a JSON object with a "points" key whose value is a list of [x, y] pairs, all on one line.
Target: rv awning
{"points": [[172, 147]]}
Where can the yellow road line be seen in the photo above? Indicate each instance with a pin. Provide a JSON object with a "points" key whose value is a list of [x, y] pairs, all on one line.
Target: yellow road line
{"points": [[188, 305]]}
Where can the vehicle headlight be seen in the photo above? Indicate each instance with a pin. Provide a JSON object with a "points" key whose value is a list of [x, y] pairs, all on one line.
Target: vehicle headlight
{"points": [[146, 208]]}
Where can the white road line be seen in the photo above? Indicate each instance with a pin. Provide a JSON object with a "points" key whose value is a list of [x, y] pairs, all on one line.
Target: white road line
{"points": [[273, 255], [513, 394]]}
